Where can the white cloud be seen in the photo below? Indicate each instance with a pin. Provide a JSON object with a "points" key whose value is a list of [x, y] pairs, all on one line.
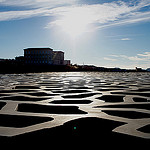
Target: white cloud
{"points": [[124, 61], [136, 58], [125, 39], [107, 14], [139, 57], [110, 59], [114, 55], [146, 54], [11, 15], [99, 15], [36, 3]]}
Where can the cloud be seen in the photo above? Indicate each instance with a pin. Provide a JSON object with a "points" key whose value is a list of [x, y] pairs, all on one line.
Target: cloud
{"points": [[36, 3], [146, 54], [97, 15], [13, 15], [106, 14], [141, 57], [32, 8], [141, 60], [144, 57], [114, 55], [125, 39], [136, 58], [110, 59]]}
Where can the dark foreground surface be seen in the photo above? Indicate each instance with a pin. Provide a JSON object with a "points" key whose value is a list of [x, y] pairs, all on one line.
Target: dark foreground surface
{"points": [[75, 110], [93, 132]]}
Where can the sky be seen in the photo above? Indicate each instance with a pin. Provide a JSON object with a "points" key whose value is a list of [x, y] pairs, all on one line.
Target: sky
{"points": [[105, 33]]}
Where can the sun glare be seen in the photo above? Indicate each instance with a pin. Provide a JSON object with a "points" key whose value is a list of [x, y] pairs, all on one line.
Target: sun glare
{"points": [[75, 22]]}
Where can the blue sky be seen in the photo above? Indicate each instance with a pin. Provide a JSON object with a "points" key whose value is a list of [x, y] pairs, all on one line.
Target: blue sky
{"points": [[105, 33]]}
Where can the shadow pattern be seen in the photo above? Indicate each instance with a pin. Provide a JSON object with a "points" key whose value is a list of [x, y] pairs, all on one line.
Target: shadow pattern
{"points": [[33, 102]]}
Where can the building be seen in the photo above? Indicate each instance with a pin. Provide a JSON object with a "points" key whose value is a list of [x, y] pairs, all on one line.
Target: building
{"points": [[1, 60], [138, 69], [58, 58], [19, 59], [148, 69], [67, 62], [38, 56]]}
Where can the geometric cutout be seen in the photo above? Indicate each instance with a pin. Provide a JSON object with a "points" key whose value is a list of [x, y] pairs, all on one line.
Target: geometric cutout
{"points": [[127, 114], [21, 121], [36, 108], [111, 98]]}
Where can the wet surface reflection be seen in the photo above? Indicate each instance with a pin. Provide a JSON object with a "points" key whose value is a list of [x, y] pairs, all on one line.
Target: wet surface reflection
{"points": [[32, 102]]}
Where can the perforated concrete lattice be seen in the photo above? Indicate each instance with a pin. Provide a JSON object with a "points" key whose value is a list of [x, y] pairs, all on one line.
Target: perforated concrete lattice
{"points": [[32, 102]]}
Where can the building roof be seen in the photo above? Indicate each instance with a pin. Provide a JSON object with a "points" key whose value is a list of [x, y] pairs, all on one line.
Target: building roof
{"points": [[58, 52], [38, 48]]}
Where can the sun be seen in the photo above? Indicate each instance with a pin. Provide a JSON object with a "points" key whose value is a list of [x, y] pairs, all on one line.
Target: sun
{"points": [[74, 22]]}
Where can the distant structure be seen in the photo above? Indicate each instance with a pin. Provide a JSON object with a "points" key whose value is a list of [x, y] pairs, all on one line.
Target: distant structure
{"points": [[148, 69], [58, 58], [138, 69], [38, 55], [67, 62], [41, 56], [19, 59]]}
